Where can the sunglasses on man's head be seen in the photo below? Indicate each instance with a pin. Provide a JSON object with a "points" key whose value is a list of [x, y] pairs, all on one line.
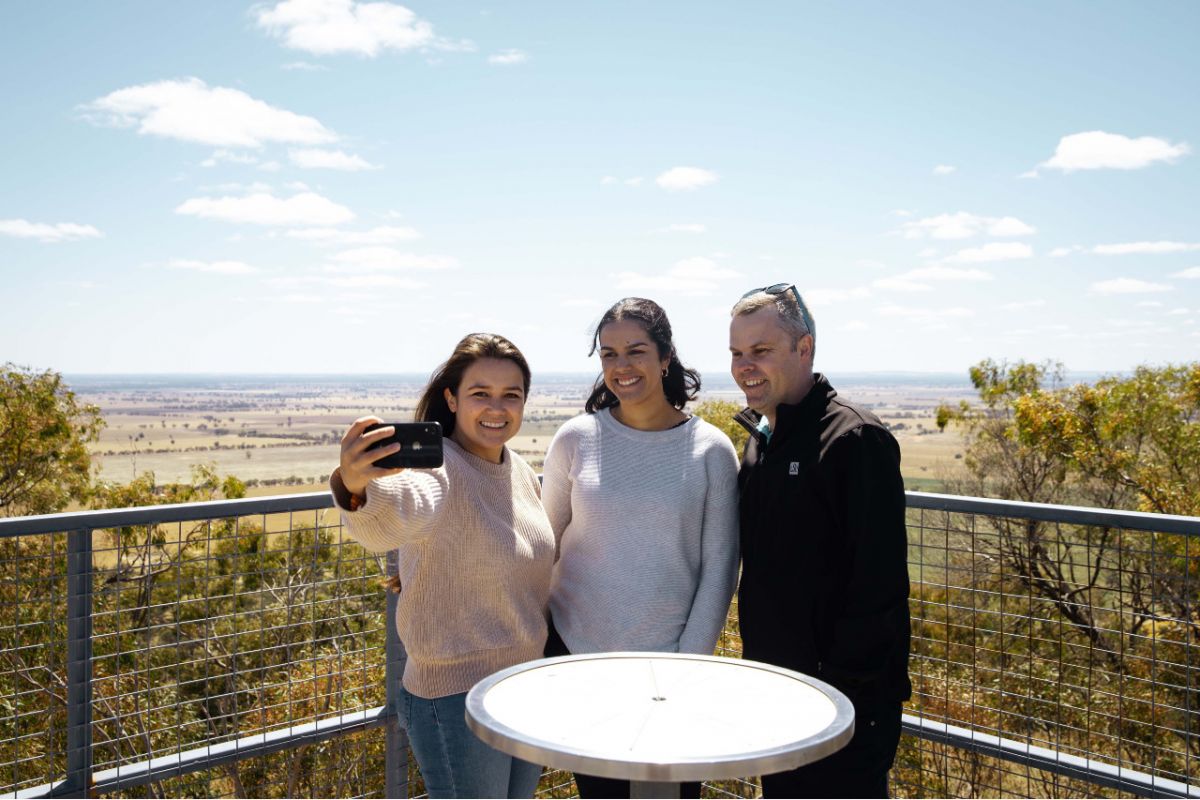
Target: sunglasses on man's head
{"points": [[781, 288]]}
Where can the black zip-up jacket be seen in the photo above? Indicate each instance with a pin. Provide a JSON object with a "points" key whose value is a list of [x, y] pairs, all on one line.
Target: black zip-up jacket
{"points": [[824, 586]]}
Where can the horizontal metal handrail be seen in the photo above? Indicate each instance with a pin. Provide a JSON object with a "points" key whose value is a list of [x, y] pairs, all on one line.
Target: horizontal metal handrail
{"points": [[313, 501], [1100, 773], [175, 512], [196, 759], [1048, 512]]}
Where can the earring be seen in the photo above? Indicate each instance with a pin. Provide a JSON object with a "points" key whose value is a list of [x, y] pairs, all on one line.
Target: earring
{"points": [[664, 372]]}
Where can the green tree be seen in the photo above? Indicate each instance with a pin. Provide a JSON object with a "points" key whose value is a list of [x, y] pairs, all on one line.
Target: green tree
{"points": [[720, 413], [1137, 437], [999, 462], [1123, 442], [44, 437]]}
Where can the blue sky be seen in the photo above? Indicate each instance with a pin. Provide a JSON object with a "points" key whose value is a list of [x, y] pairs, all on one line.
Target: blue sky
{"points": [[333, 186]]}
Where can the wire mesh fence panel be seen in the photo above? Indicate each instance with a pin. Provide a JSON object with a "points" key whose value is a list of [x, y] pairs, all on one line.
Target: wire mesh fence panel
{"points": [[1076, 638], [344, 766], [213, 634], [33, 664], [215, 631]]}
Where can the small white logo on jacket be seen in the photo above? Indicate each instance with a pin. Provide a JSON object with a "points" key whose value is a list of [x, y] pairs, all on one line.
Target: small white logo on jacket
{"points": [[794, 468]]}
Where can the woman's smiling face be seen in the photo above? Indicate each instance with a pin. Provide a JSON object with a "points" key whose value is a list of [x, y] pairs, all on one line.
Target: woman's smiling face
{"points": [[488, 407], [631, 363]]}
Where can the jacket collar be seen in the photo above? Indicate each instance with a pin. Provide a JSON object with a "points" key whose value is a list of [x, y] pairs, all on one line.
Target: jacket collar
{"points": [[791, 416]]}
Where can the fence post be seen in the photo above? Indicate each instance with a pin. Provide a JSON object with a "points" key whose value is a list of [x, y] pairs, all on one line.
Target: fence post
{"points": [[79, 664], [396, 762]]}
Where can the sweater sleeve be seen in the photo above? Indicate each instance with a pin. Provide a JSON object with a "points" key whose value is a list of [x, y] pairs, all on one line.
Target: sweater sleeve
{"points": [[871, 618], [399, 508], [719, 551], [556, 482]]}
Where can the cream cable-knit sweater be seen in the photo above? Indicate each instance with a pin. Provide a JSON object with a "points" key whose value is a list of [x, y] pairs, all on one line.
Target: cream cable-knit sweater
{"points": [[647, 530], [476, 552]]}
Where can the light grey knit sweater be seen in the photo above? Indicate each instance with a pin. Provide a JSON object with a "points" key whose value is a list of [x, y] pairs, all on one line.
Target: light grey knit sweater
{"points": [[647, 531], [476, 552]]}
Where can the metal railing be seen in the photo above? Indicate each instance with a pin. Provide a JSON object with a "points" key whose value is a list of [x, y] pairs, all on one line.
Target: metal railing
{"points": [[242, 647]]}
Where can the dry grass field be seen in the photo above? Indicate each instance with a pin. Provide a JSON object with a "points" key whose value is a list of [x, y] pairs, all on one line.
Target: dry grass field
{"points": [[283, 436]]}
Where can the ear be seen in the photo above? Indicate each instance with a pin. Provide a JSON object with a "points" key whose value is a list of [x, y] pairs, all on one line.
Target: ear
{"points": [[451, 401], [806, 345]]}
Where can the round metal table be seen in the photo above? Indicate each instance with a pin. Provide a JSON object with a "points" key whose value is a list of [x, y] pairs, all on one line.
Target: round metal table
{"points": [[657, 719]]}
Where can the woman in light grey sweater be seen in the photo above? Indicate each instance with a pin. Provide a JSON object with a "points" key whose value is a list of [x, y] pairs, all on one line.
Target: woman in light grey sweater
{"points": [[476, 552], [643, 502]]}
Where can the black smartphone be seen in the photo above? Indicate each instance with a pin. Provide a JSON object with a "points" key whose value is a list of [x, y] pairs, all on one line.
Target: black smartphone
{"points": [[420, 444]]}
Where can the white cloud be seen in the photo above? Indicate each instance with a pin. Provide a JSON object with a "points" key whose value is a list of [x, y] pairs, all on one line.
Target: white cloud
{"points": [[1101, 150], [1059, 252], [372, 282], [939, 273], [818, 298], [1022, 304], [1009, 226], [317, 158], [325, 27], [306, 208], [508, 57], [219, 267], [386, 259], [1175, 312], [228, 157], [1128, 286], [992, 251], [683, 178], [683, 227], [854, 325], [1190, 272], [383, 234], [700, 268], [943, 169], [692, 276], [47, 232], [633, 181], [928, 252], [1149, 304], [918, 313], [962, 225], [901, 284], [191, 111], [607, 180], [1143, 248], [912, 281], [303, 66]]}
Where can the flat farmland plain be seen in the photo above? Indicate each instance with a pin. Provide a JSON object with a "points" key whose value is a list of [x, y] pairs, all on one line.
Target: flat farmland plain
{"points": [[282, 433]]}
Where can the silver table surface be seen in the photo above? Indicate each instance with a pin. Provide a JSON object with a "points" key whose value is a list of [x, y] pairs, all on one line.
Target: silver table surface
{"points": [[660, 717]]}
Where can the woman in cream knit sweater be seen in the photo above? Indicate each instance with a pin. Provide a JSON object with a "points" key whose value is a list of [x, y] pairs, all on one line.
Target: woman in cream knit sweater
{"points": [[476, 553]]}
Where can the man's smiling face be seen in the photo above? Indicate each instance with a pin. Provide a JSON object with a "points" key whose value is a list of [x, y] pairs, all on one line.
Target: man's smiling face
{"points": [[763, 361]]}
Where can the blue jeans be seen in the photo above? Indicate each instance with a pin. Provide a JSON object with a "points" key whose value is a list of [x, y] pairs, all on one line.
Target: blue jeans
{"points": [[453, 761]]}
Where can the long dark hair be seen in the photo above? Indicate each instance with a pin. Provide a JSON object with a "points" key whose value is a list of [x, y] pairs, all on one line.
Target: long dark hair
{"points": [[680, 383], [432, 406]]}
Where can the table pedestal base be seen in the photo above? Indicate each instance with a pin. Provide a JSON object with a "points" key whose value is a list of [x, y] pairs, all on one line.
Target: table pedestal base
{"points": [[653, 789]]}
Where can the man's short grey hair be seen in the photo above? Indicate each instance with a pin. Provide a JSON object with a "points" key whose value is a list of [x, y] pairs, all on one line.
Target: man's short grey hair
{"points": [[791, 319]]}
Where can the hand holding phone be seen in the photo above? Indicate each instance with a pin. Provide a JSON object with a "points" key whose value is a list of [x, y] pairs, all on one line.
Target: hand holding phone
{"points": [[360, 463], [420, 445]]}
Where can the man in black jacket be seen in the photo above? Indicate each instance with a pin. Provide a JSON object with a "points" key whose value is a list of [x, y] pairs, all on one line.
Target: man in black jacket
{"points": [[824, 587]]}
